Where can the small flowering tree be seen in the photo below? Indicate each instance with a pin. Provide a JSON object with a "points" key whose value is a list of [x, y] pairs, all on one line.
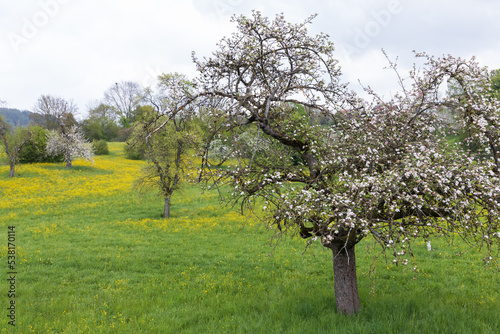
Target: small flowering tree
{"points": [[70, 143], [58, 115], [219, 152], [382, 169]]}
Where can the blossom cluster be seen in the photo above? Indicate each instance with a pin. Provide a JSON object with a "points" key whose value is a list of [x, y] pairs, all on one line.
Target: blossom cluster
{"points": [[71, 144], [337, 167]]}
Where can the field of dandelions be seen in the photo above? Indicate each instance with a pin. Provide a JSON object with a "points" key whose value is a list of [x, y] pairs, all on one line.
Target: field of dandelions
{"points": [[94, 256]]}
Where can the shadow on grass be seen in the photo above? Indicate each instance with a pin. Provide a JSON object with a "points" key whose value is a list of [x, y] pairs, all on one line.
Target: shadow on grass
{"points": [[94, 170]]}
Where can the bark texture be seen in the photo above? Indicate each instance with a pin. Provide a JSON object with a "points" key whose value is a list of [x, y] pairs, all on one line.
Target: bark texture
{"points": [[166, 209], [345, 280]]}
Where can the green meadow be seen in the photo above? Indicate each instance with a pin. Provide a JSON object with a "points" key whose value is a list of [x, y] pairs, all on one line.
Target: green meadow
{"points": [[94, 256]]}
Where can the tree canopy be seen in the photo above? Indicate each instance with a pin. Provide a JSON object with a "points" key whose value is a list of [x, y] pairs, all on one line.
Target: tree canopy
{"points": [[54, 113], [171, 136], [123, 98], [13, 141], [70, 144], [382, 169]]}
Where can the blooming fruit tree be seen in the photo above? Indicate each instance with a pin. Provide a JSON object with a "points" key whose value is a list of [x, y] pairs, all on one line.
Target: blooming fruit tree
{"points": [[70, 143], [380, 169]]}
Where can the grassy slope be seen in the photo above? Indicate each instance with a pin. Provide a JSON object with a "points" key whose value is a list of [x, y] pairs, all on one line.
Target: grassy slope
{"points": [[94, 257]]}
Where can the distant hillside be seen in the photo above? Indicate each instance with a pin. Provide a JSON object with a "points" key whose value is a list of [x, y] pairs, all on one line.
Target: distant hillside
{"points": [[16, 117]]}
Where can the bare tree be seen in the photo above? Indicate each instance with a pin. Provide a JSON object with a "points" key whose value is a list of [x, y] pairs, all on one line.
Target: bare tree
{"points": [[124, 98], [54, 113], [382, 169]]}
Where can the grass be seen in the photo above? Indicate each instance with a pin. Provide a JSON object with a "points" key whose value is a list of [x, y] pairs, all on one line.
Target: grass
{"points": [[94, 257]]}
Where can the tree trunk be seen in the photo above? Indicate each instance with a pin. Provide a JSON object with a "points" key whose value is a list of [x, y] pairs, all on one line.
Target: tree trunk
{"points": [[68, 163], [12, 169], [166, 209], [344, 276]]}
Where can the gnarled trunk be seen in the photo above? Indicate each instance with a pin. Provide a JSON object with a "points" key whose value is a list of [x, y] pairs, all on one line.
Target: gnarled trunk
{"points": [[68, 163], [344, 276], [166, 209]]}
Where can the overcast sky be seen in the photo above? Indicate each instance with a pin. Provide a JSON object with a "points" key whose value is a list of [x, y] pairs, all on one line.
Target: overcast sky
{"points": [[77, 49]]}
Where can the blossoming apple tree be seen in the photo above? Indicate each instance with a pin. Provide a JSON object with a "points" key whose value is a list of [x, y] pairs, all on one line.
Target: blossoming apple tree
{"points": [[69, 143], [382, 169], [58, 115]]}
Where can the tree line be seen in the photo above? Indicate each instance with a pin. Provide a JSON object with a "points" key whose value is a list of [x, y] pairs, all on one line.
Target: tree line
{"points": [[16, 117]]}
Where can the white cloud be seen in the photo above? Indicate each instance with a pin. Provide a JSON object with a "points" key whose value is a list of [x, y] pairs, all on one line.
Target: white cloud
{"points": [[77, 49]]}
